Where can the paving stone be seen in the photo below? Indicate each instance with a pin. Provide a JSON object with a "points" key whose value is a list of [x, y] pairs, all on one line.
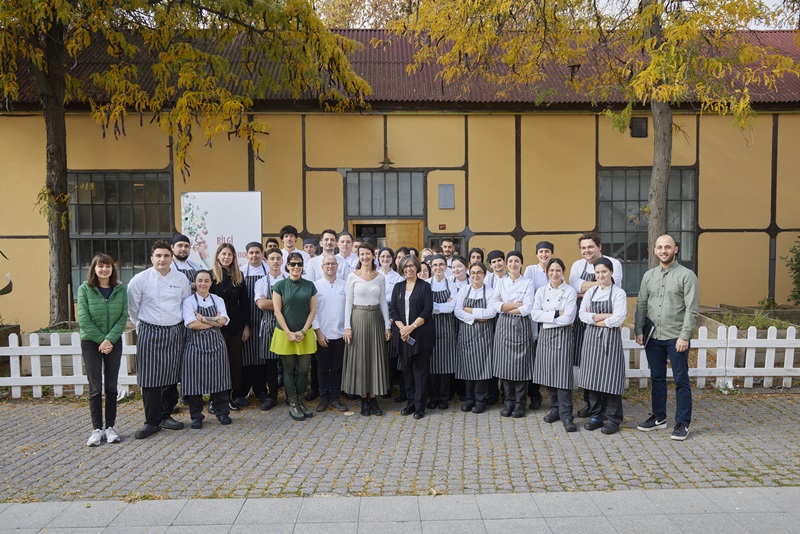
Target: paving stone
{"points": [[507, 506], [32, 515], [269, 511], [329, 510], [566, 504], [271, 528], [579, 525], [767, 523], [87, 514], [332, 528], [395, 527], [136, 530], [453, 527], [149, 513], [708, 522], [518, 526], [388, 509], [448, 507], [209, 512], [643, 524]]}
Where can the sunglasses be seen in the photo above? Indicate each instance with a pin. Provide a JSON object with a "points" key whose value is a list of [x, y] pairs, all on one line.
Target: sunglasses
{"points": [[295, 264]]}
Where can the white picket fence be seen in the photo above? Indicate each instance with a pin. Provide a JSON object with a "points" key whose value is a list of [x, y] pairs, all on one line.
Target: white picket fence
{"points": [[725, 346]]}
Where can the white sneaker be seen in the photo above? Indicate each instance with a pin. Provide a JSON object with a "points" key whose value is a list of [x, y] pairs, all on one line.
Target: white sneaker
{"points": [[96, 438], [111, 435]]}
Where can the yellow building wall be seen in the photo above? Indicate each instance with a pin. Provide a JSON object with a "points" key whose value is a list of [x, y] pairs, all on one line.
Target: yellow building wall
{"points": [[425, 140], [280, 176], [453, 219], [324, 201], [783, 280], [492, 171], [558, 173], [346, 141], [735, 172], [728, 277], [28, 302], [142, 147], [492, 242], [788, 216], [619, 149], [566, 248], [22, 175]]}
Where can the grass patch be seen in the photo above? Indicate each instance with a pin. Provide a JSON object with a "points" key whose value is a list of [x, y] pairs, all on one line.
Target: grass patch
{"points": [[743, 321]]}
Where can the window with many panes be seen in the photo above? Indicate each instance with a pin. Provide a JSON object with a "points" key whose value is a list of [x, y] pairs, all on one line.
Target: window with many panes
{"points": [[119, 213], [623, 223], [385, 194]]}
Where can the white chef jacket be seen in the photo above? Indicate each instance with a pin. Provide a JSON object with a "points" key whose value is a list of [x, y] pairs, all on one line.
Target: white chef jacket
{"points": [[157, 299], [619, 302], [549, 299], [477, 313], [330, 307], [577, 268]]}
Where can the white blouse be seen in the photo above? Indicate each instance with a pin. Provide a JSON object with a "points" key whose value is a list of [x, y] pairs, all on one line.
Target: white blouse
{"points": [[549, 299], [263, 284], [469, 292], [507, 290], [363, 293], [619, 302]]}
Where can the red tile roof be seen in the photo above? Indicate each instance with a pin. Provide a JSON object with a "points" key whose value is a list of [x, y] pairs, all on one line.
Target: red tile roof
{"points": [[384, 68]]}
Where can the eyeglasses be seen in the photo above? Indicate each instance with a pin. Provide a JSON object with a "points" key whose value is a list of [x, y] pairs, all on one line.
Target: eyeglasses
{"points": [[295, 264], [329, 264]]}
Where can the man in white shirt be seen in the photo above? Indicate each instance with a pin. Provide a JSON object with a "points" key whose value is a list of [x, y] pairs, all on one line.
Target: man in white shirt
{"points": [[329, 327], [497, 261], [181, 248], [155, 299], [327, 243], [536, 273], [448, 249], [310, 246], [582, 278], [347, 260], [289, 238]]}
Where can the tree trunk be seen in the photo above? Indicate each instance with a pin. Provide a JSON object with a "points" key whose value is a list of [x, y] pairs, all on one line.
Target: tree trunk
{"points": [[659, 178], [52, 89]]}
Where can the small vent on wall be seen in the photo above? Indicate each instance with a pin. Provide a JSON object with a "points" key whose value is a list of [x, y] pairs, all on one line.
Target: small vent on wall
{"points": [[639, 127]]}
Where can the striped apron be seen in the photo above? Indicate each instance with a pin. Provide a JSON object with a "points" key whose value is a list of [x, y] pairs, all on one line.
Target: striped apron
{"points": [[443, 361], [266, 327], [603, 362], [475, 343], [553, 364], [159, 351], [513, 348], [190, 273], [250, 349], [579, 327], [205, 359]]}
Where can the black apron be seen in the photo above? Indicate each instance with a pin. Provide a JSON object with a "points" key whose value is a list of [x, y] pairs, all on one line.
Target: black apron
{"points": [[250, 349], [267, 326], [475, 343], [579, 327], [602, 357], [205, 358], [443, 361]]}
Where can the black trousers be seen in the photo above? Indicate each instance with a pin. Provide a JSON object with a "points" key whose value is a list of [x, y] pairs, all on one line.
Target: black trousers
{"points": [[314, 381], [494, 391], [233, 341], [440, 387], [329, 362], [415, 376], [102, 369], [219, 399], [255, 377], [158, 403], [476, 391], [272, 372], [514, 391], [561, 399], [612, 410]]}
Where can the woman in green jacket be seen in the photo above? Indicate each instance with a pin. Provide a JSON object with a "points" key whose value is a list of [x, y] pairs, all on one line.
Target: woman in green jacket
{"points": [[102, 315]]}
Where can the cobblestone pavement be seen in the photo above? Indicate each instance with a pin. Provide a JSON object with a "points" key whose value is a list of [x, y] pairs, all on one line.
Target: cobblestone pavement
{"points": [[741, 440]]}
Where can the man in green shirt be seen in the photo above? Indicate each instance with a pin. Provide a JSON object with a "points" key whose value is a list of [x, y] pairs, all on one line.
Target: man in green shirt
{"points": [[665, 316]]}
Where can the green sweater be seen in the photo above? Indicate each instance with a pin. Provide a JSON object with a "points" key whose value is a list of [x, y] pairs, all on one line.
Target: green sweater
{"points": [[102, 319]]}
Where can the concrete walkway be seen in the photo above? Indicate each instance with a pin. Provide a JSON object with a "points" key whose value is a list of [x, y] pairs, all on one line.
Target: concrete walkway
{"points": [[730, 511]]}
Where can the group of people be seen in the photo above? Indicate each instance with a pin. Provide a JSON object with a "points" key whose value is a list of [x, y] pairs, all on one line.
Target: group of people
{"points": [[360, 319]]}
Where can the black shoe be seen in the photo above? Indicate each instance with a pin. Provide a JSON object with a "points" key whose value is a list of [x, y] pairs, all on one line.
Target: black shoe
{"points": [[593, 424], [211, 409], [507, 409], [171, 424], [419, 415], [262, 397], [232, 406], [387, 395], [467, 406], [432, 404], [241, 401], [519, 410], [268, 404], [364, 407], [197, 423], [536, 403], [569, 425], [584, 412], [224, 420], [401, 398], [337, 404], [479, 408], [350, 396], [609, 428], [323, 405], [553, 416], [311, 394], [146, 431], [443, 405], [491, 401], [408, 410], [374, 409]]}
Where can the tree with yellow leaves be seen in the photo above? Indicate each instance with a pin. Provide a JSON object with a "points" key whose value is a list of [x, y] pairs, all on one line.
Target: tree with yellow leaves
{"points": [[195, 65], [652, 53]]}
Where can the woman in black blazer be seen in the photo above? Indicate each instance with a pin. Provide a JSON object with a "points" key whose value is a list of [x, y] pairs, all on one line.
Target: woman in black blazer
{"points": [[413, 333]]}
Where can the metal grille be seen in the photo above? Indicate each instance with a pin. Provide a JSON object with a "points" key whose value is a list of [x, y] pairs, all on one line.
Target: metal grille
{"points": [[385, 194]]}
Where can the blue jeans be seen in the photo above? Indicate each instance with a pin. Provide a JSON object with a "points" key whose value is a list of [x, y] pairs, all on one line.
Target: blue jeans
{"points": [[657, 353]]}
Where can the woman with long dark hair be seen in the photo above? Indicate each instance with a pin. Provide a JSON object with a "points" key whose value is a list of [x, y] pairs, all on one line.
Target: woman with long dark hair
{"points": [[102, 315]]}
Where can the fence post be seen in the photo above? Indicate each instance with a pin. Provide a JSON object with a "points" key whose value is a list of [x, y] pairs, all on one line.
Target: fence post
{"points": [[36, 365], [123, 389], [769, 359], [750, 357], [77, 363], [702, 335], [729, 360], [14, 365], [55, 365], [788, 359]]}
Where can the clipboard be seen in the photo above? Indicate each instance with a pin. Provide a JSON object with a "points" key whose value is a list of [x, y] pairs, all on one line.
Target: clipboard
{"points": [[649, 328]]}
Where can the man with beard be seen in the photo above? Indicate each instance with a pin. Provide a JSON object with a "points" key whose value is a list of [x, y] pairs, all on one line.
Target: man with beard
{"points": [[327, 242], [665, 317], [181, 248]]}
